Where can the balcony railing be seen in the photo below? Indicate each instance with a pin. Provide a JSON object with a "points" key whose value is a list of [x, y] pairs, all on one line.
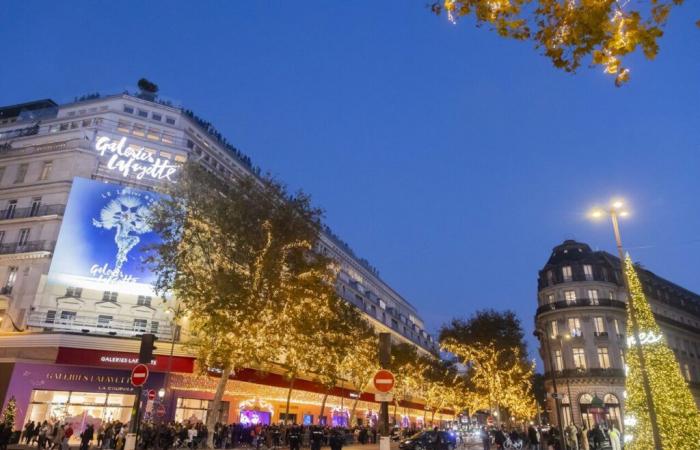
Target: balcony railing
{"points": [[27, 247], [563, 304], [23, 213], [586, 373], [91, 325]]}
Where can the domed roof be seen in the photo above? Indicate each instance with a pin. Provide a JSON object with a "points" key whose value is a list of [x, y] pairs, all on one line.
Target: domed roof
{"points": [[569, 250]]}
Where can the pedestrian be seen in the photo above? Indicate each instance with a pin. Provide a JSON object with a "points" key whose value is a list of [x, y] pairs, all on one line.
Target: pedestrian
{"points": [[294, 438], [485, 438], [68, 433], [316, 438], [615, 438], [336, 440], [86, 437], [584, 438], [499, 437], [532, 438]]}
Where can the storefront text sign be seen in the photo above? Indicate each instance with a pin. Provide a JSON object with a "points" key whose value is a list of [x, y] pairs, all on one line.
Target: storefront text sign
{"points": [[132, 160]]}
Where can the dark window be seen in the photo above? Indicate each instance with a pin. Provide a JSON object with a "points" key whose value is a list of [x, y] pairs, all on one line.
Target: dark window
{"points": [[11, 208], [104, 321], [143, 300], [50, 316], [68, 315], [157, 117], [154, 327], [143, 113], [74, 292], [36, 204], [170, 120], [108, 296], [140, 325], [128, 109]]}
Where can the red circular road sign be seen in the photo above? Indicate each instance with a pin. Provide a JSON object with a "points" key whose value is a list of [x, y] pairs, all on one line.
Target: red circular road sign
{"points": [[384, 381], [160, 411], [151, 394], [489, 420], [139, 375]]}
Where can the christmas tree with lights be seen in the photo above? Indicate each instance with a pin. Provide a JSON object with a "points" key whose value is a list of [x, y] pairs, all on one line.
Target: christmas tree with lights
{"points": [[8, 416], [676, 413]]}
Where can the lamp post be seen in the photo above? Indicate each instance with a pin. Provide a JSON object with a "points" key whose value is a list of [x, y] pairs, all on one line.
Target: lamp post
{"points": [[540, 334], [562, 338], [617, 210], [166, 380]]}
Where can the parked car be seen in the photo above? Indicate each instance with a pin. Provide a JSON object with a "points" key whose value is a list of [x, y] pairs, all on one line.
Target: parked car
{"points": [[427, 440]]}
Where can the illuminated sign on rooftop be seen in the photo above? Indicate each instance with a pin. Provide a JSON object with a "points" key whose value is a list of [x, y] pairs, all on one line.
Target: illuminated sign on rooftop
{"points": [[132, 160]]}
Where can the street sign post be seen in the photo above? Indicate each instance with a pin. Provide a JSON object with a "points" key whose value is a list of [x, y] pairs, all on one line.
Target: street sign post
{"points": [[383, 397], [383, 381]]}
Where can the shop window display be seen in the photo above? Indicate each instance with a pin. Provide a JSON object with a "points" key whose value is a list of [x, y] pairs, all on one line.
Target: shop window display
{"points": [[194, 410], [79, 408]]}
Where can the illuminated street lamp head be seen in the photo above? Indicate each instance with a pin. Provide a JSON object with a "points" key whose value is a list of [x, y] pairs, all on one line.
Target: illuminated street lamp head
{"points": [[596, 213], [617, 204]]}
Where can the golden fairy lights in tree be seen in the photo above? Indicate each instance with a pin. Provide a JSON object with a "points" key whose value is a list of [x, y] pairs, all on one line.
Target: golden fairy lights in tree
{"points": [[573, 31], [677, 415]]}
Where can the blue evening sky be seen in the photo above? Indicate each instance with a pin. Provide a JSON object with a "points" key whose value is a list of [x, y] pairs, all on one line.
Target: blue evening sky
{"points": [[452, 159]]}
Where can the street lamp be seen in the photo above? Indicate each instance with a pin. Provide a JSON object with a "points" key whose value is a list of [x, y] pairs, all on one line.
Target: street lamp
{"points": [[615, 211], [173, 326], [562, 338], [542, 335]]}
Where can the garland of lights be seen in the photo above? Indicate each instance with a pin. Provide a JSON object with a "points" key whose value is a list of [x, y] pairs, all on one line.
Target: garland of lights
{"points": [[677, 415]]}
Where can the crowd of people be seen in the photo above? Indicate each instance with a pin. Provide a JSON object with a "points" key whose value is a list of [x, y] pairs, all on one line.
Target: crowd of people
{"points": [[192, 436], [537, 438], [175, 435]]}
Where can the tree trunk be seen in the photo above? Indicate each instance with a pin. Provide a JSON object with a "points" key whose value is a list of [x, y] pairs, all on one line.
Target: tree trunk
{"points": [[215, 405], [323, 406], [395, 403], [289, 397], [352, 413], [432, 418]]}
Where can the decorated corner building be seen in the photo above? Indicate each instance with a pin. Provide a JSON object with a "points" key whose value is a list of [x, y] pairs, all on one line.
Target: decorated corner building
{"points": [[668, 397], [583, 333], [76, 184]]}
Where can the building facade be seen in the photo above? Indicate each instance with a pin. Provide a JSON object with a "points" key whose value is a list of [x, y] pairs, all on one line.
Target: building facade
{"points": [[581, 326], [75, 183]]}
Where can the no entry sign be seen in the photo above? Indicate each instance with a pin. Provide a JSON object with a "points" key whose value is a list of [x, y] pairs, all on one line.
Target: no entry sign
{"points": [[151, 394], [384, 381], [160, 411], [139, 375]]}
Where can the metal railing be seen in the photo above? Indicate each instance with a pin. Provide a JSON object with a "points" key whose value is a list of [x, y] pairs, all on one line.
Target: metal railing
{"points": [[113, 327], [586, 373], [32, 211], [27, 247], [579, 302]]}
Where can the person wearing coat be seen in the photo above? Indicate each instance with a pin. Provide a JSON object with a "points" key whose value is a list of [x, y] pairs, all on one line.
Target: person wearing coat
{"points": [[336, 440], [584, 438], [86, 437], [532, 438], [615, 438]]}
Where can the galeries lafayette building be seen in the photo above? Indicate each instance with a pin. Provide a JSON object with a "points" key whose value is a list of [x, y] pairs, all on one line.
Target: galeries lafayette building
{"points": [[83, 379]]}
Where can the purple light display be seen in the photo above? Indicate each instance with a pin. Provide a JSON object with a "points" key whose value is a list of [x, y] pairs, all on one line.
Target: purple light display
{"points": [[255, 417]]}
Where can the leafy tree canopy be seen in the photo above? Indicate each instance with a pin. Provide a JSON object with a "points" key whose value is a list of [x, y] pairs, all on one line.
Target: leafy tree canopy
{"points": [[572, 32]]}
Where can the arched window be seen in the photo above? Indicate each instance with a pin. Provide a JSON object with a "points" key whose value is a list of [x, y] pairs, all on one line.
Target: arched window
{"points": [[585, 399], [610, 399]]}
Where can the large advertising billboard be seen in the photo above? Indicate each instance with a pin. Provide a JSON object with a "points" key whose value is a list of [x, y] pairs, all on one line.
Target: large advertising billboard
{"points": [[103, 236]]}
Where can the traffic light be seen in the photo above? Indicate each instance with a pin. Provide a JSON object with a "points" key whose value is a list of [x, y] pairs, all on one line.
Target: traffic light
{"points": [[147, 347]]}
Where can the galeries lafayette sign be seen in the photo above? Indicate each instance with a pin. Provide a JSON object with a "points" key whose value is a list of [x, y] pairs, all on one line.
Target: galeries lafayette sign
{"points": [[135, 161], [122, 360]]}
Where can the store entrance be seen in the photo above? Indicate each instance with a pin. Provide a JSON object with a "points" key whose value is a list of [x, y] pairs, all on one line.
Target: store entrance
{"points": [[79, 408]]}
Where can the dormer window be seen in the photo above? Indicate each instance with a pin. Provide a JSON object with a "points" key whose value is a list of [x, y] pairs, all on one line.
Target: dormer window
{"points": [[566, 273], [588, 271]]}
